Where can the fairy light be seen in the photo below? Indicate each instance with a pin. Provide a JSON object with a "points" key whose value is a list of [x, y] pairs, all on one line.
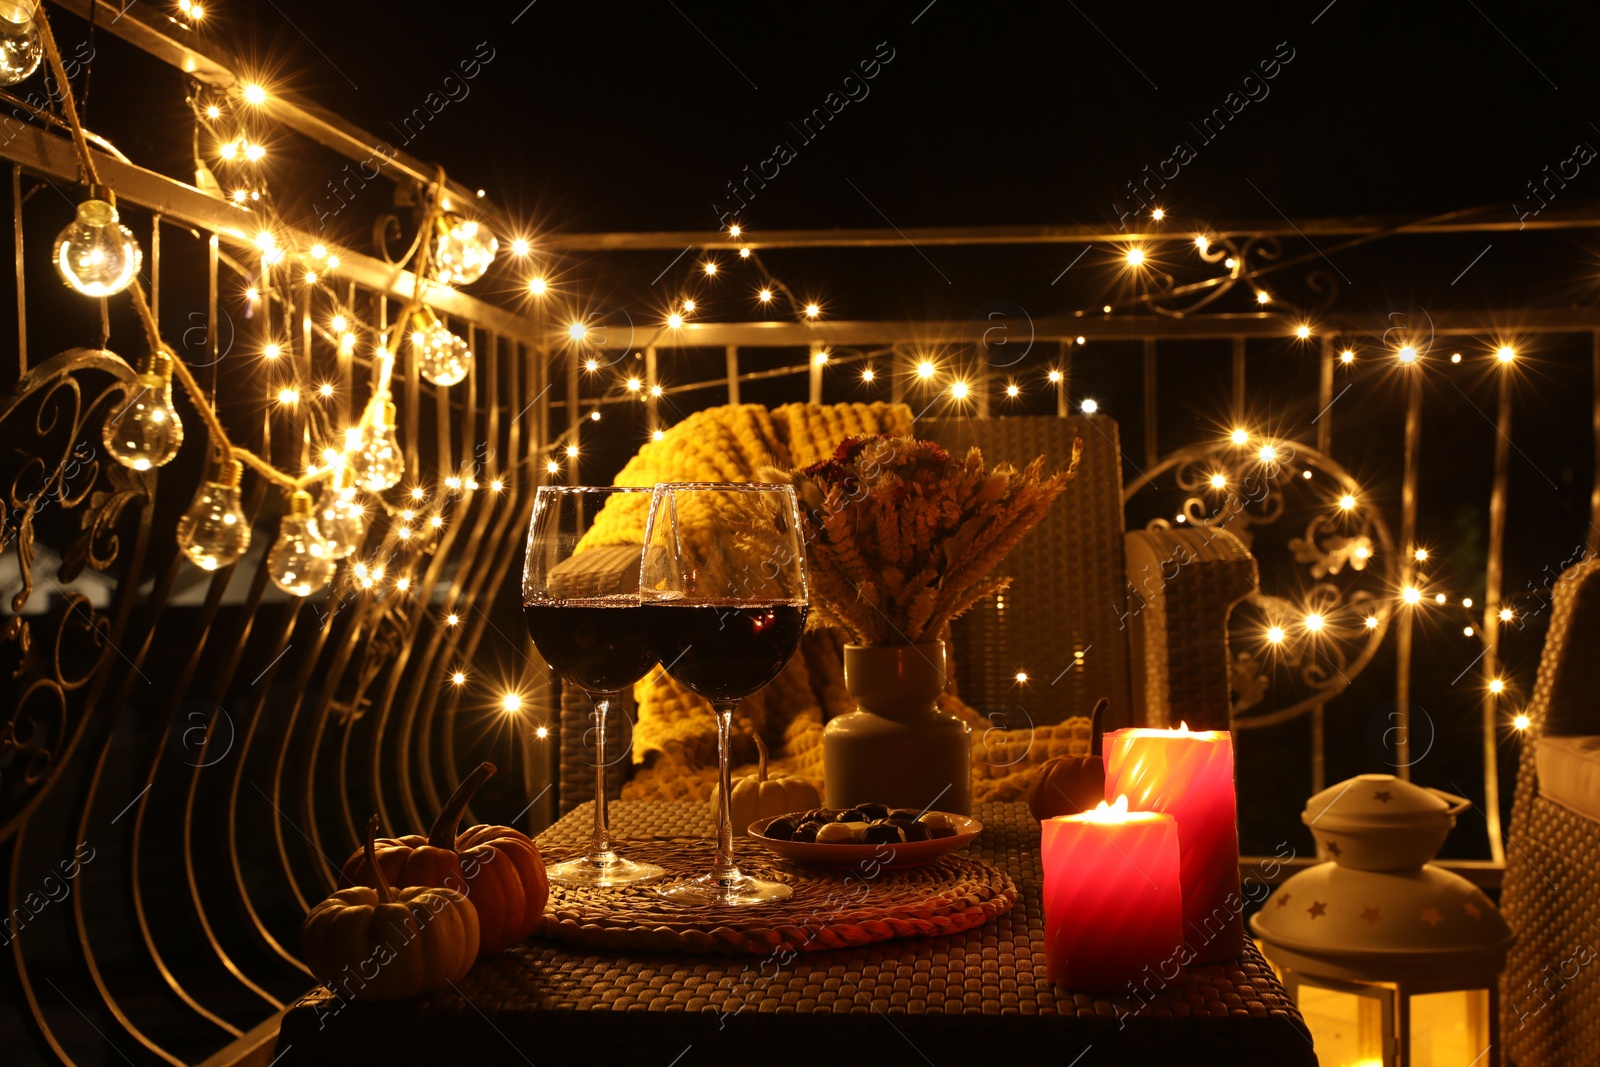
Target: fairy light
{"points": [[240, 196], [1407, 354], [1089, 406], [213, 112], [1506, 354], [252, 294], [272, 351], [655, 390], [1347, 502], [735, 230], [452, 483], [436, 522], [404, 533], [1411, 595], [496, 486], [1054, 377], [926, 369], [822, 357], [1158, 214], [657, 435], [1439, 598], [1521, 722], [1466, 602], [688, 306], [1275, 634], [1302, 331], [1315, 622], [228, 150], [710, 268], [408, 515], [402, 584], [765, 296], [417, 492], [1466, 631], [958, 390], [634, 385], [1022, 677], [812, 311], [1219, 481], [452, 619], [1239, 436], [1497, 686], [338, 322], [1135, 257], [1268, 454], [594, 416], [265, 241], [511, 703], [1202, 242], [868, 374], [1013, 390], [1082, 340], [1362, 552], [1263, 297], [591, 364], [1371, 622], [674, 321], [1506, 614], [288, 395], [1455, 357], [537, 285], [519, 246], [542, 732], [577, 331], [1421, 555], [311, 277], [744, 253], [255, 94], [572, 451], [325, 390], [1347, 356], [552, 467], [333, 261]]}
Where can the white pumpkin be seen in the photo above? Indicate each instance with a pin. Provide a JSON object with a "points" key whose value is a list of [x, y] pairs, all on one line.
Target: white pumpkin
{"points": [[756, 796]]}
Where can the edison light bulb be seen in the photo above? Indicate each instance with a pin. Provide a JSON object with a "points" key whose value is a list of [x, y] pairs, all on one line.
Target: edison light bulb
{"points": [[213, 533], [20, 46], [340, 517], [146, 431], [299, 562], [95, 253], [442, 357], [463, 250], [377, 462]]}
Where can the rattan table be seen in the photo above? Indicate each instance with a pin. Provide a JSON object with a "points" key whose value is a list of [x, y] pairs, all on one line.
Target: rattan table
{"points": [[976, 996]]}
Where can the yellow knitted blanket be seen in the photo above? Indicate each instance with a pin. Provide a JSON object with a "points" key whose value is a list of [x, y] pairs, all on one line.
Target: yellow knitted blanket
{"points": [[674, 739]]}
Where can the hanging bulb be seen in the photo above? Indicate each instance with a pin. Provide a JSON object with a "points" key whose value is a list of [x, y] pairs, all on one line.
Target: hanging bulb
{"points": [[463, 249], [213, 533], [21, 48], [299, 562], [442, 357], [146, 431], [377, 462], [95, 253], [340, 517]]}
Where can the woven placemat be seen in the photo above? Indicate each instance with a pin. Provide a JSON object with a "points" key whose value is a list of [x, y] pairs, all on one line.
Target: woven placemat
{"points": [[828, 910]]}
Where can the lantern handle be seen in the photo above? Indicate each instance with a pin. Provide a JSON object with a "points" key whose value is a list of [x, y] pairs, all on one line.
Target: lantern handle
{"points": [[1457, 804]]}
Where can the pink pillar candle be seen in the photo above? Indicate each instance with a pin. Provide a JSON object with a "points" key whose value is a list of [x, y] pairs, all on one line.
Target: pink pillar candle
{"points": [[1112, 907], [1189, 775]]}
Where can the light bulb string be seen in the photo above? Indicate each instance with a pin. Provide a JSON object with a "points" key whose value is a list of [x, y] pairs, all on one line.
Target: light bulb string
{"points": [[225, 447]]}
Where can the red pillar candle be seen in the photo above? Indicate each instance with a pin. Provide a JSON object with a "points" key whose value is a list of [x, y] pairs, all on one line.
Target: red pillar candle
{"points": [[1112, 909], [1189, 775]]}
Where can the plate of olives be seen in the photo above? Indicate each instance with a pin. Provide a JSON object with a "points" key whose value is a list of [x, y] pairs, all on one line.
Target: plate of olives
{"points": [[866, 833]]}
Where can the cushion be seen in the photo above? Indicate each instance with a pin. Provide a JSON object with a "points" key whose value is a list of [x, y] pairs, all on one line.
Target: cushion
{"points": [[1569, 772]]}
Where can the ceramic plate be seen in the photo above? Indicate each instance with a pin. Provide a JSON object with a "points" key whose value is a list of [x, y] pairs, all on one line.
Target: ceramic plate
{"points": [[886, 856]]}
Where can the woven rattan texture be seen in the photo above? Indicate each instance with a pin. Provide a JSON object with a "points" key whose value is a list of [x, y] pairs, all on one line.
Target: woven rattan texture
{"points": [[1550, 993], [1068, 586], [974, 997], [828, 909]]}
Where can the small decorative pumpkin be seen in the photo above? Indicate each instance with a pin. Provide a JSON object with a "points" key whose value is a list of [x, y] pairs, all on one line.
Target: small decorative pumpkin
{"points": [[1067, 785], [757, 796], [497, 867], [378, 943]]}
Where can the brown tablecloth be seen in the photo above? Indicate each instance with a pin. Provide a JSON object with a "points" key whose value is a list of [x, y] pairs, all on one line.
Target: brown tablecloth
{"points": [[979, 995]]}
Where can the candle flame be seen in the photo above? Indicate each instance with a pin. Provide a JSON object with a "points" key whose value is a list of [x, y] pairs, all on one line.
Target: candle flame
{"points": [[1104, 812], [1183, 728]]}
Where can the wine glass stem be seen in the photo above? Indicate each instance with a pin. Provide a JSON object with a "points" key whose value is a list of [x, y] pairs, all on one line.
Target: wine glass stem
{"points": [[723, 869], [600, 841]]}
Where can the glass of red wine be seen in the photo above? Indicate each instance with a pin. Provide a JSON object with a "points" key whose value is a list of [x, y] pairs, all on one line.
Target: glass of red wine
{"points": [[587, 620], [723, 576]]}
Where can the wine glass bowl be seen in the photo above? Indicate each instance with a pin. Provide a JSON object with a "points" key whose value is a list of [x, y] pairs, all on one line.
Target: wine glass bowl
{"points": [[581, 600], [723, 576]]}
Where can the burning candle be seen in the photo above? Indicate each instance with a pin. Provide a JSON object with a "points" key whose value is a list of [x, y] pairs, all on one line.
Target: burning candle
{"points": [[1189, 775], [1112, 909]]}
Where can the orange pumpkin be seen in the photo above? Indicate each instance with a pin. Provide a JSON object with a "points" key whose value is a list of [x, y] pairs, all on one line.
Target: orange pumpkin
{"points": [[1067, 785], [497, 867]]}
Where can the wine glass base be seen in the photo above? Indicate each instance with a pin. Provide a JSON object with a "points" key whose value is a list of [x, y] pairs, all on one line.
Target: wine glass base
{"points": [[602, 872], [734, 890]]}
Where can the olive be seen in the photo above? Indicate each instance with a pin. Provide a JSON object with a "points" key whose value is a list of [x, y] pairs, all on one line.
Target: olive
{"points": [[780, 829]]}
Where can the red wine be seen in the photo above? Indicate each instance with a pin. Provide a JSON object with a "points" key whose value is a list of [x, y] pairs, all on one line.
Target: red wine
{"points": [[726, 651], [597, 646]]}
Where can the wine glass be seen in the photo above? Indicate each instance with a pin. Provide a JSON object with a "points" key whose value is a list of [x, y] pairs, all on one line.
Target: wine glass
{"points": [[723, 575], [587, 621]]}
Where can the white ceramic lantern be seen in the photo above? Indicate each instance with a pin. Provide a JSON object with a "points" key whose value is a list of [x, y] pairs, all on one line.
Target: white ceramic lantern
{"points": [[1392, 961]]}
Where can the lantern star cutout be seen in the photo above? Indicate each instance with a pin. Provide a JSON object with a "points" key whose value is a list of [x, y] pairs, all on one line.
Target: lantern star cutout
{"points": [[1317, 908], [1430, 915], [1383, 796], [1373, 916], [1283, 898], [1472, 909], [1333, 848]]}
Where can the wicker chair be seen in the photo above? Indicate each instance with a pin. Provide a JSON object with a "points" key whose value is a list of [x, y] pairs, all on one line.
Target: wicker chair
{"points": [[1092, 611], [1550, 993]]}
